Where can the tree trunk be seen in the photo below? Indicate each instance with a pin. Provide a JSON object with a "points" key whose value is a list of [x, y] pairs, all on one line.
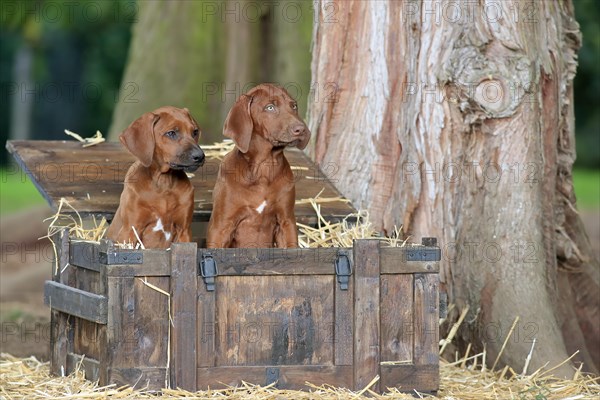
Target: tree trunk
{"points": [[455, 120], [203, 55], [176, 57]]}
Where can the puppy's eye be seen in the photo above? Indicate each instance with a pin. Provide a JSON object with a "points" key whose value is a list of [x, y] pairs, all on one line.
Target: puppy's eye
{"points": [[270, 107], [171, 134], [294, 106], [195, 133]]}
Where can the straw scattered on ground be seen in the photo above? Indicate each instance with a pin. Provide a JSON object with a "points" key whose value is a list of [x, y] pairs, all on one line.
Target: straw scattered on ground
{"points": [[28, 378]]}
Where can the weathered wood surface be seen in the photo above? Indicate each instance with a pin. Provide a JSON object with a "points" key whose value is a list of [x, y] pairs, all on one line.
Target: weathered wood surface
{"points": [[408, 377], [184, 271], [397, 318], [89, 366], [426, 309], [65, 169], [293, 377], [61, 327], [274, 320], [76, 302], [275, 315], [138, 324], [366, 313]]}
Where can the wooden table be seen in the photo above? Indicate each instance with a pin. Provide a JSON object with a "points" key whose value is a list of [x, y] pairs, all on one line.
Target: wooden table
{"points": [[91, 178]]}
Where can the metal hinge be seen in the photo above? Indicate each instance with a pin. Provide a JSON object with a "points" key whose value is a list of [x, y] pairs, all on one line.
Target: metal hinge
{"points": [[121, 257], [343, 269], [208, 270], [433, 253]]}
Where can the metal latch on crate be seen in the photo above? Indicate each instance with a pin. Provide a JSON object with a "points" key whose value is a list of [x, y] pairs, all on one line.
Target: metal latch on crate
{"points": [[208, 270], [343, 269]]}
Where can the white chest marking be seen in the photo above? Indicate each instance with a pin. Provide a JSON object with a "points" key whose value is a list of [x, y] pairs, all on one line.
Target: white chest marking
{"points": [[159, 227], [261, 208]]}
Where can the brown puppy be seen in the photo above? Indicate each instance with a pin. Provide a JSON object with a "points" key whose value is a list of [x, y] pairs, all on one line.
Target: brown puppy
{"points": [[158, 198], [254, 196]]}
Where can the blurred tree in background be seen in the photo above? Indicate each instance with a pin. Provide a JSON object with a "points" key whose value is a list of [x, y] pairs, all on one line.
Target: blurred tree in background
{"points": [[587, 85], [62, 63], [204, 54]]}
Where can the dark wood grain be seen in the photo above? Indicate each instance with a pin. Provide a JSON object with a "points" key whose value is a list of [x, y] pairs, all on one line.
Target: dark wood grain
{"points": [[393, 261], [78, 303], [66, 169], [138, 323], [274, 320], [146, 378], [426, 315], [183, 341], [263, 262], [397, 318], [292, 377], [207, 328], [60, 324], [408, 378], [366, 313]]}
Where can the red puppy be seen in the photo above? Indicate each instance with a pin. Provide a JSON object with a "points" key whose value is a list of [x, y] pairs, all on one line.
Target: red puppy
{"points": [[158, 197], [254, 196]]}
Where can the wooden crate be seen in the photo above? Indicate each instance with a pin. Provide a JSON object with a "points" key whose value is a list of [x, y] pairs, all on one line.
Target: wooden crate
{"points": [[269, 315]]}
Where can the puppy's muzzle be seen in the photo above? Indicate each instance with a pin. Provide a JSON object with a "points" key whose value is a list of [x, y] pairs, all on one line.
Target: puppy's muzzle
{"points": [[191, 160]]}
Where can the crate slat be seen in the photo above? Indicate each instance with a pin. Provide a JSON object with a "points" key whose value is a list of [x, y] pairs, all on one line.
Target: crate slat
{"points": [[366, 313], [183, 341], [72, 301], [293, 377]]}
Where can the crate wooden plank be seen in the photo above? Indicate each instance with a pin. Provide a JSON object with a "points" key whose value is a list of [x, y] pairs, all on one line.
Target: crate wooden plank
{"points": [[78, 303], [60, 324], [397, 318], [66, 169], [366, 313], [147, 378], [207, 328], [344, 311], [263, 262], [394, 261], [84, 254], [426, 315], [88, 365], [293, 377], [87, 338], [274, 320], [138, 322], [424, 378], [183, 341]]}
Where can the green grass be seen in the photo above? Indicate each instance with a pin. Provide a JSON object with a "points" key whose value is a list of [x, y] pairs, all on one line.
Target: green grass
{"points": [[16, 191], [587, 188]]}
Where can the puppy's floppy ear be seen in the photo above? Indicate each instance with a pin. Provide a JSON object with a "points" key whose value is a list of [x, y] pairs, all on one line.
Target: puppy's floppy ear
{"points": [[238, 124], [138, 138]]}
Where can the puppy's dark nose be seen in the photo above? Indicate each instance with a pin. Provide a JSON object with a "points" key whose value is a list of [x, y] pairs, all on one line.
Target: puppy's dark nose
{"points": [[298, 129], [198, 156]]}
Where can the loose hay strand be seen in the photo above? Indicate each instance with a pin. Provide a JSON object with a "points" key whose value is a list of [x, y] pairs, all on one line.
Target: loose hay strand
{"points": [[28, 378]]}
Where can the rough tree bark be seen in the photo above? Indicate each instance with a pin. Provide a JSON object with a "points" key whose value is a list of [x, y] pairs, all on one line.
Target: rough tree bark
{"points": [[455, 120]]}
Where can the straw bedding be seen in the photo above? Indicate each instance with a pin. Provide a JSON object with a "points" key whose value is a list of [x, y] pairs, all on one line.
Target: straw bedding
{"points": [[466, 377], [28, 378]]}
